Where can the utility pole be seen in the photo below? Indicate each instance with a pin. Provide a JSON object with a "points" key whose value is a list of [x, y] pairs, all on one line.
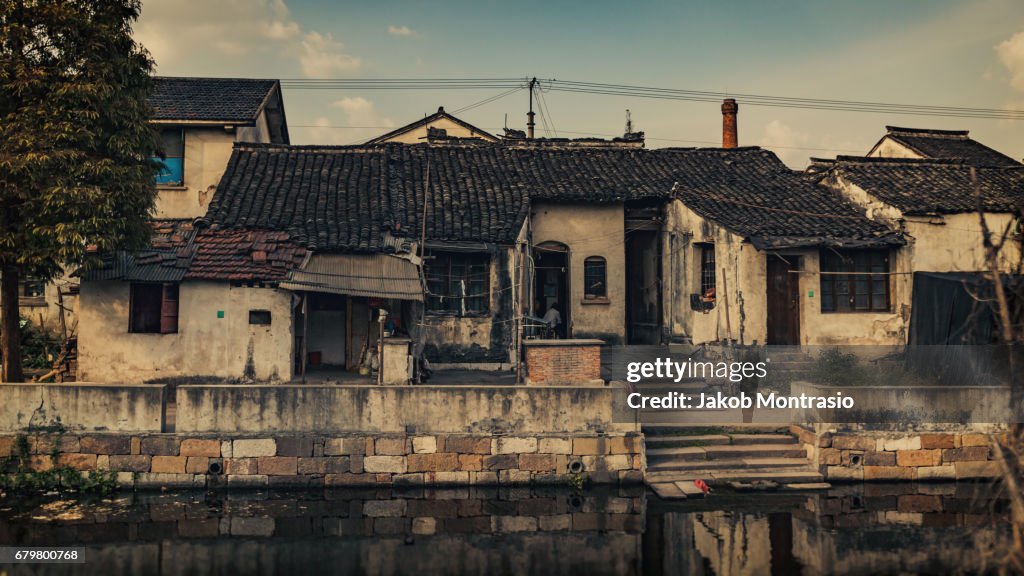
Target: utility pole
{"points": [[530, 114]]}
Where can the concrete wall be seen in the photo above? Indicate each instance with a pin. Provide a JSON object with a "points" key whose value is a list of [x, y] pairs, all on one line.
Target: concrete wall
{"points": [[204, 346], [465, 409], [84, 407], [745, 284], [953, 243], [595, 230]]}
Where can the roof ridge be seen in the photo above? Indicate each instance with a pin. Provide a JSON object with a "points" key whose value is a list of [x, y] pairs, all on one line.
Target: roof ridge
{"points": [[888, 160], [927, 131], [216, 78]]}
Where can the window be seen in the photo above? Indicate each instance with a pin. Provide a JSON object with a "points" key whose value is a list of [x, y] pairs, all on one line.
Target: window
{"points": [[172, 170], [855, 281], [707, 271], [595, 277], [33, 288], [259, 317], [153, 309], [458, 284]]}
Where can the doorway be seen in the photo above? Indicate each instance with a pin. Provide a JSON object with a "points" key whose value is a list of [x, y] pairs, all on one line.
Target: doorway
{"points": [[551, 266], [643, 287], [783, 300]]}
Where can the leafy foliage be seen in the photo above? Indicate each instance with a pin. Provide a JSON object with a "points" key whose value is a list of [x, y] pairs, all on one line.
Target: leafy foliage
{"points": [[18, 477]]}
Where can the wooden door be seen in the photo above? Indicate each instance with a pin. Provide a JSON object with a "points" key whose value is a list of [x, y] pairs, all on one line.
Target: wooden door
{"points": [[783, 301]]}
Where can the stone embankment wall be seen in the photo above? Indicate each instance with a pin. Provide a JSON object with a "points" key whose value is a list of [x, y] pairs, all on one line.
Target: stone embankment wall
{"points": [[847, 453]]}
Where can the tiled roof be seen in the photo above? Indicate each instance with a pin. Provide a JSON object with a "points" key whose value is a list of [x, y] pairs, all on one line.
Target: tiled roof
{"points": [[209, 99], [920, 187], [353, 198], [167, 259], [439, 115], [244, 255], [949, 144]]}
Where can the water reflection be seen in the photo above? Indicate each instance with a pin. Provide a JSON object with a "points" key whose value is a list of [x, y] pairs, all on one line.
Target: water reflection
{"points": [[884, 528]]}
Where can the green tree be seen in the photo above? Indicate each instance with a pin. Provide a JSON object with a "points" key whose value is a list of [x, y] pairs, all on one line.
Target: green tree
{"points": [[76, 175]]}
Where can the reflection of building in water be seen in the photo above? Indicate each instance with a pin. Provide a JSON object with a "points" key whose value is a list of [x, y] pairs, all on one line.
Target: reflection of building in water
{"points": [[719, 535]]}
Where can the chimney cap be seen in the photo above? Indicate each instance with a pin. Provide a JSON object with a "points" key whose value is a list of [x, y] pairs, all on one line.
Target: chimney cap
{"points": [[729, 106]]}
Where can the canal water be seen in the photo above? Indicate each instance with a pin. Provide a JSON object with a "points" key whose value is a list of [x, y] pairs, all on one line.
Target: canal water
{"points": [[863, 529]]}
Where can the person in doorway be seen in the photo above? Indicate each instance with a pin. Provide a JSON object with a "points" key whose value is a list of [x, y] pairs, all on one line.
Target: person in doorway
{"points": [[553, 318]]}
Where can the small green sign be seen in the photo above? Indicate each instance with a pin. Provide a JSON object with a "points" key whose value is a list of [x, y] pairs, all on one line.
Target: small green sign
{"points": [[220, 313], [810, 293]]}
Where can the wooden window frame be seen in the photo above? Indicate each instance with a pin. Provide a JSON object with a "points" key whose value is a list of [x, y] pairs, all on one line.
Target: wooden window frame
{"points": [[853, 273], [708, 273], [590, 264], [177, 154], [153, 308], [449, 273]]}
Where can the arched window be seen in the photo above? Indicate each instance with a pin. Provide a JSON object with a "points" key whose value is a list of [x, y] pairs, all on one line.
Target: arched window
{"points": [[595, 277]]}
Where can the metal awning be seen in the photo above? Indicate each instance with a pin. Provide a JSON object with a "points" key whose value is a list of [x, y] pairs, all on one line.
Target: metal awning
{"points": [[368, 275]]}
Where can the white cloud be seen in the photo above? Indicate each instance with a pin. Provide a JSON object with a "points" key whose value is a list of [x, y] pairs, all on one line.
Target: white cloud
{"points": [[1011, 54], [786, 142], [401, 31], [243, 36], [323, 56], [360, 120]]}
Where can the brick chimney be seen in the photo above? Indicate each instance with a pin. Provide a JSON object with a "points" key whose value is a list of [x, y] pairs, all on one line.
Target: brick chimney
{"points": [[729, 110]]}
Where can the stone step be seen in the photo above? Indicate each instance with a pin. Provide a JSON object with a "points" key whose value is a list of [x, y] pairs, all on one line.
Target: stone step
{"points": [[747, 439], [716, 477], [732, 464], [683, 430], [655, 442], [756, 451]]}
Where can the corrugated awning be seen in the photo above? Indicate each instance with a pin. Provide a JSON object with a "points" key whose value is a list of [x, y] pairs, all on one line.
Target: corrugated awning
{"points": [[368, 275]]}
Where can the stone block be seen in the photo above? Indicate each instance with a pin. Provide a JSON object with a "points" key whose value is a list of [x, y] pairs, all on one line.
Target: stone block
{"points": [[841, 473], [471, 462], [241, 466], [537, 462], [158, 480], [919, 457], [947, 472], [517, 477], [278, 465], [588, 446], [614, 462], [414, 479], [920, 503], [106, 444], [424, 526], [424, 444], [350, 479], [168, 465], [888, 473], [295, 446], [829, 457], [500, 462], [556, 523], [77, 461], [966, 440], [253, 447], [555, 446], [129, 462], [901, 443], [456, 478], [969, 454], [972, 470], [252, 526], [226, 450], [384, 508], [510, 524], [875, 458], [484, 478], [390, 446], [391, 464], [159, 445], [467, 444], [437, 462], [851, 442], [513, 445], [200, 447], [932, 441], [247, 480], [103, 462], [197, 464], [624, 444]]}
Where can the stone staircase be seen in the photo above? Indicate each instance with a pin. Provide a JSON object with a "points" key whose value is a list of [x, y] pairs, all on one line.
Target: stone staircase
{"points": [[790, 363], [742, 457]]}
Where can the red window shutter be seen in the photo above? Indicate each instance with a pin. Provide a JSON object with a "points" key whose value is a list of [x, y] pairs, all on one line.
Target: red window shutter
{"points": [[169, 309]]}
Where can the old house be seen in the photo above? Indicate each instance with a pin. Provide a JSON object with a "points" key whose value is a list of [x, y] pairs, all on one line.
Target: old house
{"points": [[923, 143], [439, 125]]}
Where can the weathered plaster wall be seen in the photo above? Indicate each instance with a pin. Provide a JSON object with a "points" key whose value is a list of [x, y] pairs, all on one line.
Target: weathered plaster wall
{"points": [[745, 286], [596, 230], [889, 148], [486, 338], [204, 345], [82, 407], [953, 243], [419, 135]]}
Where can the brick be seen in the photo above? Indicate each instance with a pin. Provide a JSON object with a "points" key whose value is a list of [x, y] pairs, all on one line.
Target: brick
{"points": [[467, 445], [624, 445], [439, 462], [875, 458], [829, 457], [864, 443], [969, 470], [424, 444], [253, 447], [106, 444], [966, 440], [240, 466], [901, 443], [200, 447], [588, 446], [513, 445], [537, 462], [277, 465], [197, 464], [168, 465], [471, 462], [946, 472], [555, 446], [159, 445], [969, 454], [919, 457], [77, 461], [295, 446], [129, 462], [920, 503], [888, 473], [390, 447], [500, 462], [931, 441], [393, 464]]}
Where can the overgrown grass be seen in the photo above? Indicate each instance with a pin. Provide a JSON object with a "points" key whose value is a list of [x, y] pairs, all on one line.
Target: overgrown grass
{"points": [[18, 478]]}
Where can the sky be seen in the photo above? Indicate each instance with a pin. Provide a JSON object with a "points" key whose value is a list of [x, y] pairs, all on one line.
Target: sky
{"points": [[929, 52]]}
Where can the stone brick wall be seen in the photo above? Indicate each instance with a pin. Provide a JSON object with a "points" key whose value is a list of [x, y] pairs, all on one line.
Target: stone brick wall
{"points": [[894, 456], [561, 362], [152, 461]]}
